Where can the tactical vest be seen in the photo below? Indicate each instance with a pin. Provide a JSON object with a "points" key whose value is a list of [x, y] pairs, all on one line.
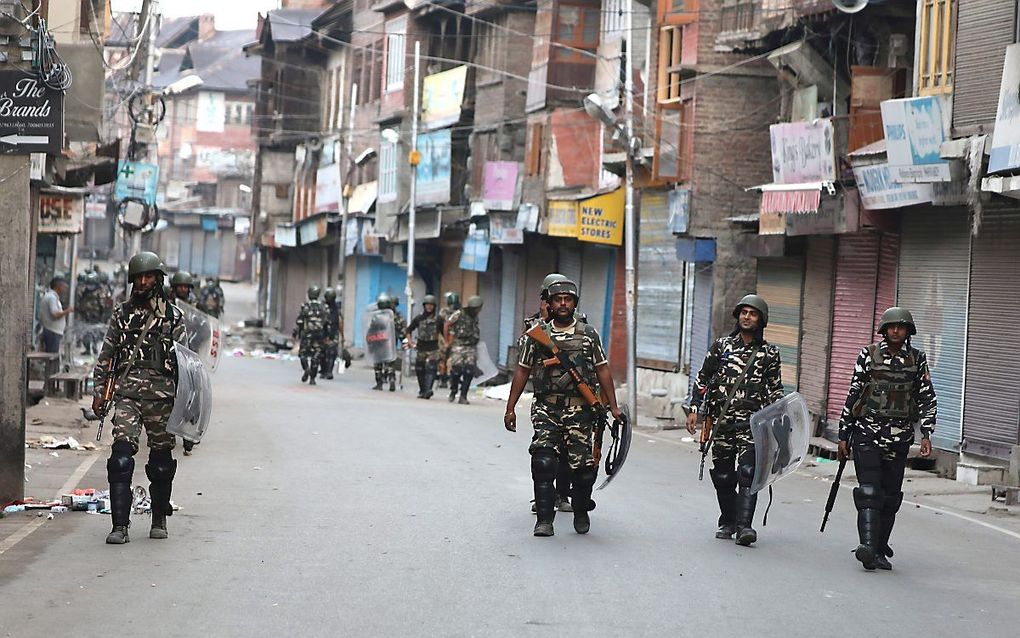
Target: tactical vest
{"points": [[555, 379], [155, 351], [465, 330], [428, 331], [889, 393], [313, 317]]}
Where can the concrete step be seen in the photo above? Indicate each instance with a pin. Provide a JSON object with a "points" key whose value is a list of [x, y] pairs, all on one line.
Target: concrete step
{"points": [[976, 473]]}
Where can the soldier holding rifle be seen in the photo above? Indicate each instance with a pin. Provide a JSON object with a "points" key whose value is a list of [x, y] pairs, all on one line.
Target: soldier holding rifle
{"points": [[740, 375], [567, 365]]}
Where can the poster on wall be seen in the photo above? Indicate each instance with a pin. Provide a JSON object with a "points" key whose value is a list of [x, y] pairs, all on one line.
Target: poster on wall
{"points": [[136, 179], [441, 97], [476, 251], [503, 229], [211, 112], [500, 186], [433, 172]]}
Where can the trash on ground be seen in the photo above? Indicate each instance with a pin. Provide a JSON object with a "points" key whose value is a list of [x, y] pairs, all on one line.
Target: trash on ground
{"points": [[687, 439], [502, 393]]}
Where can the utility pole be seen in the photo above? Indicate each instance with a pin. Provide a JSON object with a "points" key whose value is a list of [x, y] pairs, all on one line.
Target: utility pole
{"points": [[16, 285], [629, 218], [413, 158], [347, 191]]}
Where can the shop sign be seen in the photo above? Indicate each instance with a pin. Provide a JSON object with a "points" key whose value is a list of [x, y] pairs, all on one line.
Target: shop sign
{"points": [[433, 170], [500, 185], [61, 213], [600, 219], [1005, 155], [803, 152], [441, 97], [914, 131], [562, 218], [879, 190]]}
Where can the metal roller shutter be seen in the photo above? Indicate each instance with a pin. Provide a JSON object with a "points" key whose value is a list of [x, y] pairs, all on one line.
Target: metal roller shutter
{"points": [[885, 292], [816, 321], [933, 281], [570, 261], [701, 318], [660, 299], [781, 283], [984, 29], [489, 289], [991, 409], [853, 312], [507, 304], [596, 285]]}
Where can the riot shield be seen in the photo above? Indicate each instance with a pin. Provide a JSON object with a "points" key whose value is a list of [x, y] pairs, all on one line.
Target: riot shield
{"points": [[204, 335], [189, 417], [782, 432], [380, 337], [485, 369], [622, 432]]}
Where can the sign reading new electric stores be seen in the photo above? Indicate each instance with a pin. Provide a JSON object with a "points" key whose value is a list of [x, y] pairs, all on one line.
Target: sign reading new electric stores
{"points": [[31, 115]]}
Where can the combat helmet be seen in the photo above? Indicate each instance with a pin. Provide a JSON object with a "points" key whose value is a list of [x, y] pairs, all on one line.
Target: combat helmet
{"points": [[563, 287], [182, 278], [756, 302], [384, 302], [329, 294], [550, 279], [314, 291], [429, 299], [144, 262], [897, 315], [452, 299], [475, 302], [91, 278]]}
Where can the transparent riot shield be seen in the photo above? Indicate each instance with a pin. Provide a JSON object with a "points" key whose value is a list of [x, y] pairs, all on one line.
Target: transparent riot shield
{"points": [[485, 368], [380, 337], [782, 432], [616, 455], [189, 417], [204, 335]]}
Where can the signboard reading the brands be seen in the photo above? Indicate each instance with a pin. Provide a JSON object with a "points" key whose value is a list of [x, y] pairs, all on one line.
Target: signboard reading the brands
{"points": [[803, 152], [600, 219], [914, 131], [31, 115]]}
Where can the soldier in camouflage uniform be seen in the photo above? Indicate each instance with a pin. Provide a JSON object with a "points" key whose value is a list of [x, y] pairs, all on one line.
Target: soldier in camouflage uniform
{"points": [[733, 456], [311, 331], [182, 288], [386, 372], [564, 422], [426, 360], [399, 330], [890, 390], [210, 298], [462, 336], [90, 307], [452, 301], [334, 334], [141, 338]]}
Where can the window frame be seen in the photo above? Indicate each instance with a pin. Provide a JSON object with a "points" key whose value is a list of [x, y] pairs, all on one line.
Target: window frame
{"points": [[669, 81], [936, 74], [395, 65], [585, 11], [389, 169]]}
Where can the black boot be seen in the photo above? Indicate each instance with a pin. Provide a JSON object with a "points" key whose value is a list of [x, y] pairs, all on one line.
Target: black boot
{"points": [[378, 380], [393, 380], [304, 366], [327, 367], [160, 469], [890, 506], [543, 472], [430, 378], [419, 373], [120, 512], [453, 387], [465, 385], [583, 480], [743, 512], [869, 529], [725, 482]]}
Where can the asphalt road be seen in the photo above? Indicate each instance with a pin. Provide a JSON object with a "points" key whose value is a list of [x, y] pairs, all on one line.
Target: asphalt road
{"points": [[339, 511]]}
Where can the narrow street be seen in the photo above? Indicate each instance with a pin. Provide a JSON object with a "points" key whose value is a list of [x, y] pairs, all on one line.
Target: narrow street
{"points": [[335, 510]]}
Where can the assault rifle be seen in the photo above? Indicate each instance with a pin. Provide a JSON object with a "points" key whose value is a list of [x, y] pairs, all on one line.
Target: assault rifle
{"points": [[562, 359], [834, 490], [109, 386]]}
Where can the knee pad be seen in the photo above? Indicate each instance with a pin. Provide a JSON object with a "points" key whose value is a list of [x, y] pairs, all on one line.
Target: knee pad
{"points": [[868, 496], [723, 479], [120, 467], [161, 467], [585, 477], [892, 503], [745, 474], [544, 464]]}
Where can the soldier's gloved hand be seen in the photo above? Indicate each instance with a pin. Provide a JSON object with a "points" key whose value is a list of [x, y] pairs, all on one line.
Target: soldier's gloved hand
{"points": [[843, 451], [510, 421], [97, 404], [692, 422]]}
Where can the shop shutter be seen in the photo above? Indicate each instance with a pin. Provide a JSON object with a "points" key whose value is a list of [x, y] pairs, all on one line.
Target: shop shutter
{"points": [[597, 284], [781, 282], [991, 409], [489, 318], [507, 304], [933, 280], [660, 282], [211, 255], [184, 250], [984, 29], [816, 321], [701, 318], [570, 261], [885, 292], [853, 312]]}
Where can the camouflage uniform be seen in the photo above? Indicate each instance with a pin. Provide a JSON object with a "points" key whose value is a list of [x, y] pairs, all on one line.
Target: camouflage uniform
{"points": [[145, 395], [91, 309], [888, 393], [311, 323], [464, 337], [444, 352], [426, 360], [211, 299], [733, 456], [333, 339]]}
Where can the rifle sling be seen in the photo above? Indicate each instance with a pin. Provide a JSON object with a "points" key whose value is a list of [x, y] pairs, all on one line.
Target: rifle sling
{"points": [[739, 382], [137, 347]]}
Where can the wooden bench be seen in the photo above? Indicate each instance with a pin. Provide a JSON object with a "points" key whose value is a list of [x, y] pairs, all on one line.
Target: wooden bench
{"points": [[49, 361], [67, 385]]}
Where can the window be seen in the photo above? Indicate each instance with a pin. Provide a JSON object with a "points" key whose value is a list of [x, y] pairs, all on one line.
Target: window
{"points": [[490, 50], [387, 171], [395, 39], [674, 143], [577, 27], [682, 11], [737, 15], [533, 155], [613, 18], [375, 79], [935, 53], [670, 41]]}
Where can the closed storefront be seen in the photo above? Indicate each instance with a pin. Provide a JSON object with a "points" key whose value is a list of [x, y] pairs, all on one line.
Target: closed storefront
{"points": [[816, 321], [933, 283], [508, 325], [660, 300], [700, 316], [597, 285], [781, 283], [991, 409], [984, 28], [865, 285]]}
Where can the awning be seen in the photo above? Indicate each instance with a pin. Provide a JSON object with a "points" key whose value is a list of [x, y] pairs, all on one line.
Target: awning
{"points": [[363, 198], [792, 198], [1007, 185]]}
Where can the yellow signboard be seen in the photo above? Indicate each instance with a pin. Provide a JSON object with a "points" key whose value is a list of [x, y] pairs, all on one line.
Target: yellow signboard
{"points": [[442, 96], [600, 219], [562, 218]]}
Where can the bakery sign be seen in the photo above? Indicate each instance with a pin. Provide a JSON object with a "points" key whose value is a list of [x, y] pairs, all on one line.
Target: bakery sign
{"points": [[31, 115]]}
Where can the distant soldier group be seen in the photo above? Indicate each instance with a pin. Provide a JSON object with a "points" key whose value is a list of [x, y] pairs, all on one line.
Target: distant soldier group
{"points": [[319, 331], [93, 306]]}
